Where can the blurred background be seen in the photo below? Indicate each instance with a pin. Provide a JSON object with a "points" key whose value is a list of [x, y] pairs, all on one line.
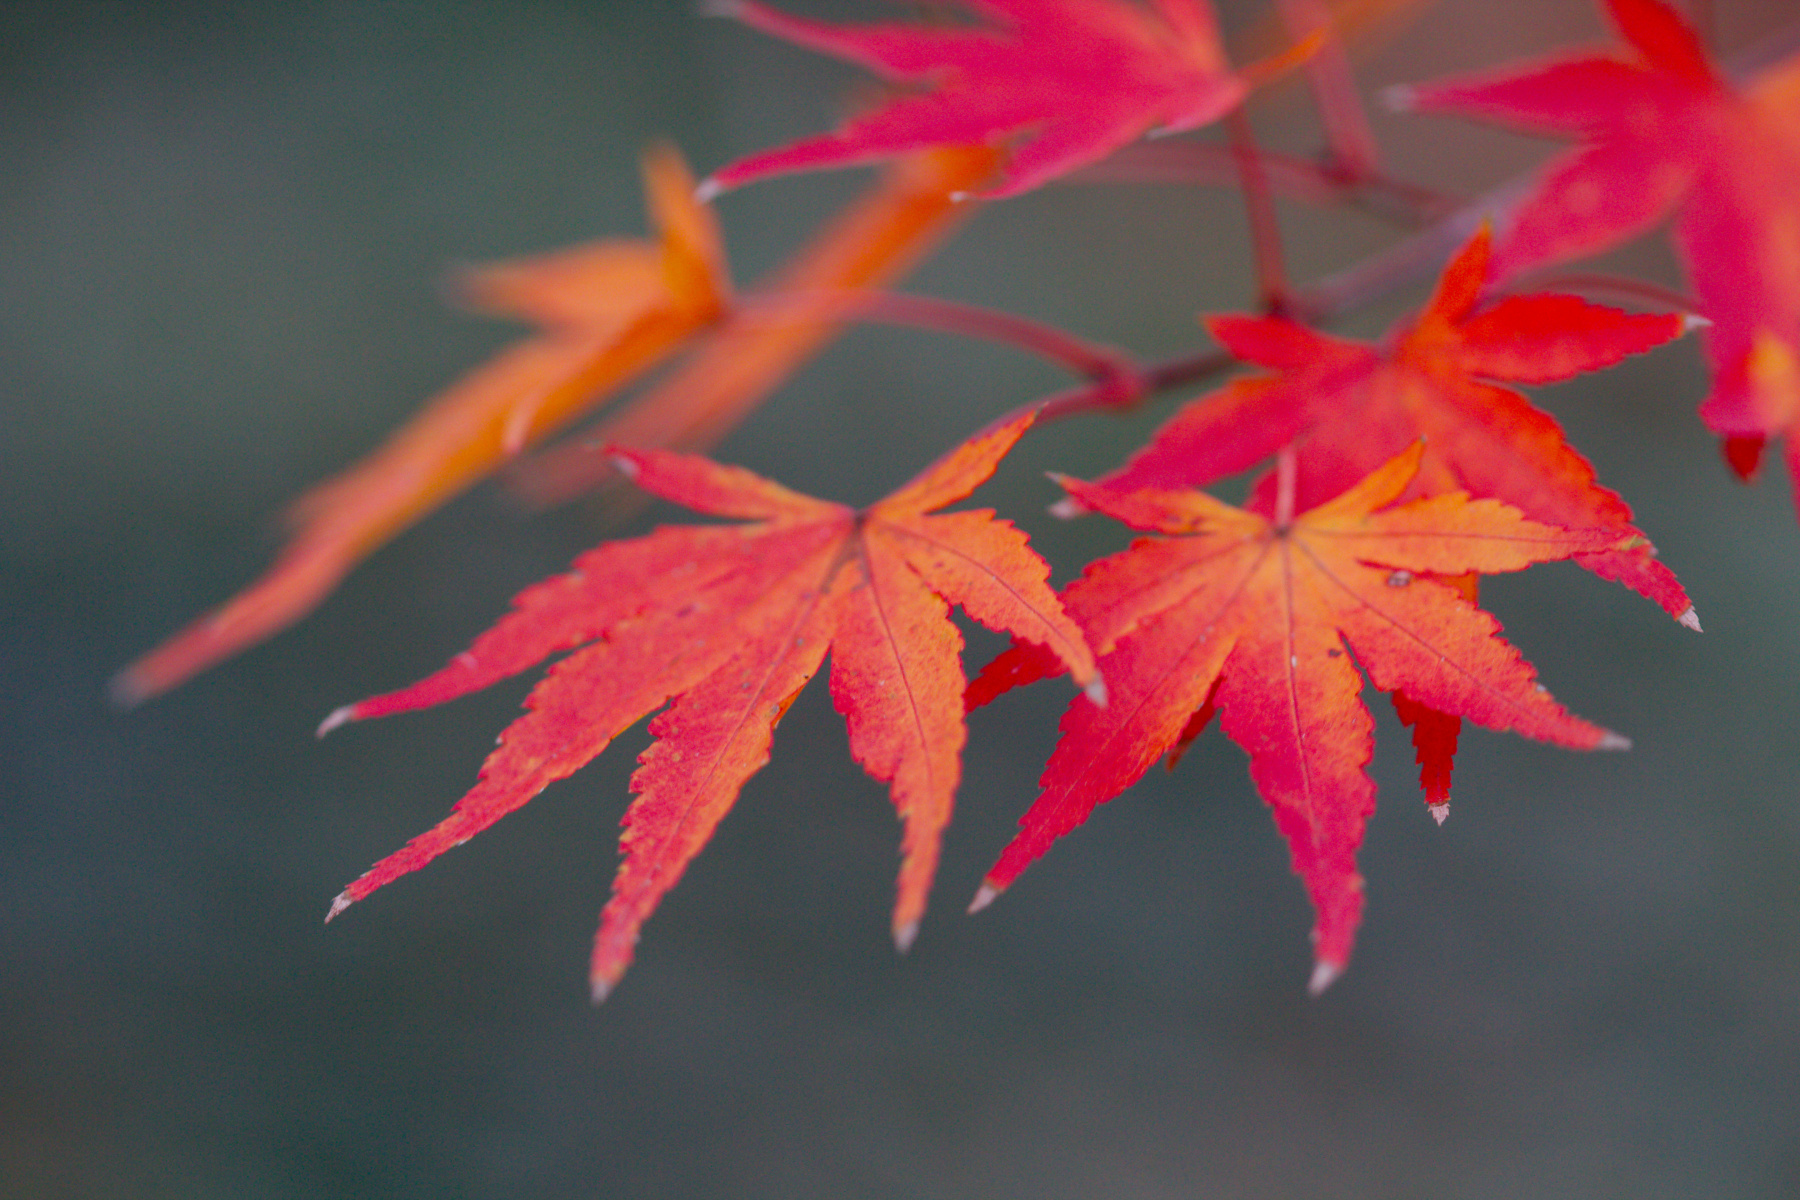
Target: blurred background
{"points": [[223, 229]]}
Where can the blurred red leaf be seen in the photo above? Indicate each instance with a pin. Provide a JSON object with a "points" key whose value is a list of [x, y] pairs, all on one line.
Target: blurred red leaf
{"points": [[1665, 132]]}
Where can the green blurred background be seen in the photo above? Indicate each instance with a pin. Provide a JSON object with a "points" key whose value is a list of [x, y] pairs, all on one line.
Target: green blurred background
{"points": [[221, 229]]}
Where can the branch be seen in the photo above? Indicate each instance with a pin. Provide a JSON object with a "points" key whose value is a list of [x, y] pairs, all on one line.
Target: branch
{"points": [[1310, 181], [1079, 356], [1265, 226]]}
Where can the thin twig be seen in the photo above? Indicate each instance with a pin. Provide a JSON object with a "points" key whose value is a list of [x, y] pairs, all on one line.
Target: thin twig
{"points": [[1641, 290], [1123, 392], [1286, 470], [1259, 204], [1350, 140], [1310, 181], [1078, 355]]}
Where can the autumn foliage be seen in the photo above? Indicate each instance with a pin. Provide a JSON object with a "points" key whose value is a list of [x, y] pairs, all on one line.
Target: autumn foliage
{"points": [[1388, 476]]}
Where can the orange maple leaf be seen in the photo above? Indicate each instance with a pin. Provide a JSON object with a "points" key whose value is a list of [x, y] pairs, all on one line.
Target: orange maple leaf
{"points": [[1348, 406], [609, 311], [730, 622], [1666, 132], [606, 312], [878, 238], [1067, 81], [1266, 622]]}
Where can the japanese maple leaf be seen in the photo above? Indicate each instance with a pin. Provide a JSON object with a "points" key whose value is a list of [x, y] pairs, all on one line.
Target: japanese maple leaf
{"points": [[606, 312], [729, 622], [1665, 132], [1348, 406], [1069, 80], [1265, 621]]}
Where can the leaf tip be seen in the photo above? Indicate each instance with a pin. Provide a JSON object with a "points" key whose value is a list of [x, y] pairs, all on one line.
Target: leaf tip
{"points": [[126, 691], [599, 989], [339, 716], [984, 896], [1401, 97], [338, 905], [1612, 741], [624, 464], [1324, 974], [1440, 812], [1691, 619], [905, 935], [515, 435], [1095, 691], [719, 8], [1692, 321], [708, 189], [1067, 509]]}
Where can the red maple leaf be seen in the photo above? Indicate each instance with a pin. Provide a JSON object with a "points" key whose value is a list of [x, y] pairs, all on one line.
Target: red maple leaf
{"points": [[1266, 621], [1069, 80], [730, 621], [1348, 406], [1666, 132]]}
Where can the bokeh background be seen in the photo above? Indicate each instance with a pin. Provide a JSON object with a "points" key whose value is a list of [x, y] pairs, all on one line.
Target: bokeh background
{"points": [[221, 229]]}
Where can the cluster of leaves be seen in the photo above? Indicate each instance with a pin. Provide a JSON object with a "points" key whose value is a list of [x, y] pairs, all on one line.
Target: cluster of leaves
{"points": [[1394, 474]]}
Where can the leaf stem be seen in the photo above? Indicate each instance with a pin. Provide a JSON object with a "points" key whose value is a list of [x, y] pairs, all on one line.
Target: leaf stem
{"points": [[1119, 392], [1259, 204], [1286, 467], [1642, 290], [1308, 180], [1079, 356], [1351, 143]]}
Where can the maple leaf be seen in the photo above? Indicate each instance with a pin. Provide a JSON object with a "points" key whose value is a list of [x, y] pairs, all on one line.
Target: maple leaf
{"points": [[1069, 80], [1348, 406], [729, 622], [1265, 621], [606, 311], [1665, 132]]}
